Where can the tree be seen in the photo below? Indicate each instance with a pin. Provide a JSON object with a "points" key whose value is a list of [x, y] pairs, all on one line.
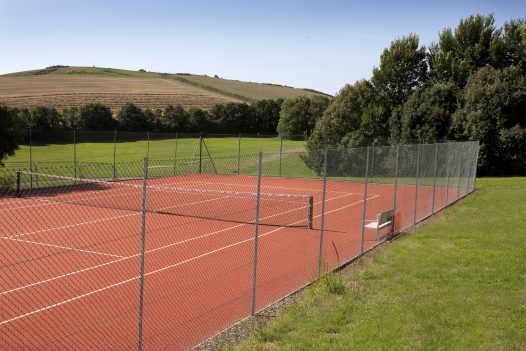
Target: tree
{"points": [[233, 117], [45, 118], [494, 101], [175, 119], [96, 116], [475, 43], [403, 68], [266, 115], [11, 133], [155, 120], [132, 118], [344, 116], [71, 118], [514, 38], [426, 115], [298, 116], [199, 120], [512, 143]]}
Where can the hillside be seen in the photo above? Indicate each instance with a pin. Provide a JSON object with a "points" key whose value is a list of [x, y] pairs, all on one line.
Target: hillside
{"points": [[63, 87]]}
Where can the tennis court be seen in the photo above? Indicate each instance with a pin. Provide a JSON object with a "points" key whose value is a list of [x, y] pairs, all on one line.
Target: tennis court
{"points": [[71, 251]]}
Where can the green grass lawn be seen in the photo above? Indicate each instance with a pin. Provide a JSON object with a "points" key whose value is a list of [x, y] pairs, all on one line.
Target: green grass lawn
{"points": [[135, 150], [458, 283]]}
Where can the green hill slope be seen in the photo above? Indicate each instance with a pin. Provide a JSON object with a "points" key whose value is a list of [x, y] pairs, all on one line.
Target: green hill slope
{"points": [[65, 86]]}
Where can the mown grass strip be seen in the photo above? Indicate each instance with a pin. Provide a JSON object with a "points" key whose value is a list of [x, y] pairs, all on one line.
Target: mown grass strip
{"points": [[458, 283]]}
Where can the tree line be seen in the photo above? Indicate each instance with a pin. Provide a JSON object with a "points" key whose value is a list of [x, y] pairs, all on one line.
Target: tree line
{"points": [[259, 117], [470, 85]]}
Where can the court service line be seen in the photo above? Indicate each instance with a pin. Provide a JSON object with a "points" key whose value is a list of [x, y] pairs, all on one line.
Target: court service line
{"points": [[61, 247], [149, 251], [161, 269]]}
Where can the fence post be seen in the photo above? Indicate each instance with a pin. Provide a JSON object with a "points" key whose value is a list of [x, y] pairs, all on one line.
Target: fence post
{"points": [[470, 162], [256, 237], [238, 153], [115, 154], [434, 179], [200, 152], [417, 175], [31, 158], [395, 184], [74, 153], [474, 183], [36, 171], [447, 172], [175, 155], [148, 144], [18, 182], [143, 239], [372, 161], [280, 153], [364, 200], [322, 224], [459, 171]]}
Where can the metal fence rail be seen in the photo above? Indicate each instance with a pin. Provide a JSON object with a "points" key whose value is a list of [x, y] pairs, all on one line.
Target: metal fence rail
{"points": [[166, 252]]}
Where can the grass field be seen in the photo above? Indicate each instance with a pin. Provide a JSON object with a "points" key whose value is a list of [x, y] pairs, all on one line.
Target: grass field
{"points": [[75, 86], [458, 283], [157, 149]]}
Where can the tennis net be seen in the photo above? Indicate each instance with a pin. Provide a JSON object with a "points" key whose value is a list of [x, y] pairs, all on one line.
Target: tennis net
{"points": [[284, 210]]}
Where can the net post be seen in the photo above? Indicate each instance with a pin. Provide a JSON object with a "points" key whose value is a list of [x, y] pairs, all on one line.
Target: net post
{"points": [[395, 184], [280, 153], [434, 179], [256, 237], [18, 190], [143, 239], [311, 211], [238, 153], [416, 186], [114, 154], [322, 223], [364, 201]]}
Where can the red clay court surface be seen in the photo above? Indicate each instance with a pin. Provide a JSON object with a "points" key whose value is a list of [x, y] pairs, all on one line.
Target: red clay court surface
{"points": [[70, 273]]}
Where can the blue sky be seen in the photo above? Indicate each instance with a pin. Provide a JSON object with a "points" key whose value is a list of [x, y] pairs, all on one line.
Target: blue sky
{"points": [[320, 44]]}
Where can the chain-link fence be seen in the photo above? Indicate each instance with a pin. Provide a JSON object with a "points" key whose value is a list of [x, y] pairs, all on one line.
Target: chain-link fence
{"points": [[164, 252], [43, 148]]}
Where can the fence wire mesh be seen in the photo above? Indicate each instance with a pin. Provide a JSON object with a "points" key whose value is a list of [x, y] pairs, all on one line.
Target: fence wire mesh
{"points": [[165, 252]]}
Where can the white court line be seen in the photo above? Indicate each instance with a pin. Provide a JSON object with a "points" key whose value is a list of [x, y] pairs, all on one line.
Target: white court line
{"points": [[149, 251], [262, 186], [164, 268], [60, 247]]}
